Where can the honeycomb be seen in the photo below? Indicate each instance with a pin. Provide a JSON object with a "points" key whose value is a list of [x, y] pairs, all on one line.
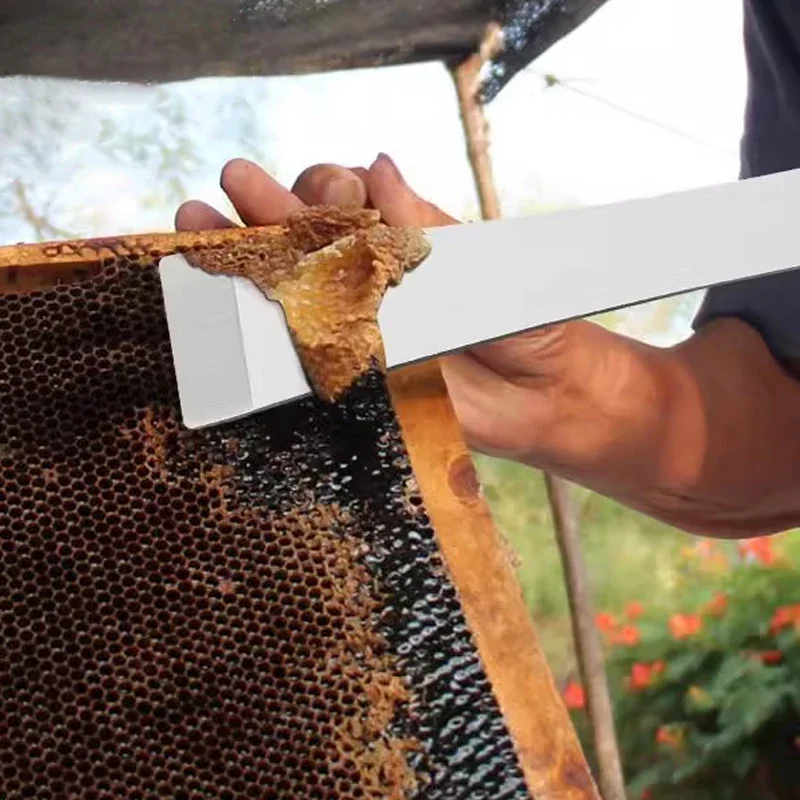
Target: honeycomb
{"points": [[329, 286], [258, 610]]}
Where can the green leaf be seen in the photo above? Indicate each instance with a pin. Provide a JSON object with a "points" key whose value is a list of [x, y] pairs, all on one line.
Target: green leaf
{"points": [[650, 778], [733, 669], [688, 770], [745, 761], [750, 707], [678, 668], [725, 740]]}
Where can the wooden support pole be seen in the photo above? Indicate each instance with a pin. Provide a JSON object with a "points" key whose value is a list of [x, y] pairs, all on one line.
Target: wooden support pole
{"points": [[588, 647], [565, 523], [474, 122]]}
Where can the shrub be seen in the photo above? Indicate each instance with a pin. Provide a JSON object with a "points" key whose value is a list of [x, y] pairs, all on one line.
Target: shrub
{"points": [[707, 695]]}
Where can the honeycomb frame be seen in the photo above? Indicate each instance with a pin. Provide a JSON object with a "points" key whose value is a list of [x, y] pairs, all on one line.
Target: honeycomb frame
{"points": [[154, 639]]}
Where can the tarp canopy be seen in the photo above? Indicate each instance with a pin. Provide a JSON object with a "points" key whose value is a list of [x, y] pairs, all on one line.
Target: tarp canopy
{"points": [[156, 41]]}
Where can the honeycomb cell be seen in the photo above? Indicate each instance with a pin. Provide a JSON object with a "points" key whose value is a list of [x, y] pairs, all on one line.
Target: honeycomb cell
{"points": [[254, 610]]}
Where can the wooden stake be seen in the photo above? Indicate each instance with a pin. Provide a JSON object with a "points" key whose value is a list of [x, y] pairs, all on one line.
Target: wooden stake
{"points": [[588, 647], [476, 126], [587, 641]]}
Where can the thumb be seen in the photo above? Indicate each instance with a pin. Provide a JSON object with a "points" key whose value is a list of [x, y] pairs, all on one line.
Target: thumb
{"points": [[536, 353], [397, 201]]}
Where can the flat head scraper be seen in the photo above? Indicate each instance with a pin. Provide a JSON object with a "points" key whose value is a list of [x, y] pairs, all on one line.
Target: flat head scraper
{"points": [[482, 281]]}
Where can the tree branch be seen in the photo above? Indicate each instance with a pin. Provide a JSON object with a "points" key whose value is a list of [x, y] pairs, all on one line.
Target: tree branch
{"points": [[41, 225], [588, 647]]}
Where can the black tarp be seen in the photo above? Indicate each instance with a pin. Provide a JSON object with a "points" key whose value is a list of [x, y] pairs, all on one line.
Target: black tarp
{"points": [[169, 40]]}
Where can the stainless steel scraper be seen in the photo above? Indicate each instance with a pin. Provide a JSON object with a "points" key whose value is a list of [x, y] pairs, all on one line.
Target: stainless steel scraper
{"points": [[232, 350]]}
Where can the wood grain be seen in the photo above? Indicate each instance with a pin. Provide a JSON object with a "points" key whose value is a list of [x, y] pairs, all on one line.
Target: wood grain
{"points": [[547, 745], [38, 266]]}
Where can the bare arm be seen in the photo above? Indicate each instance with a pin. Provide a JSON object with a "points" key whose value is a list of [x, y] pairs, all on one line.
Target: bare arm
{"points": [[704, 436]]}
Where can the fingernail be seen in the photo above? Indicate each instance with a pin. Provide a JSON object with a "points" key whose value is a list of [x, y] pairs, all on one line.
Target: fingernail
{"points": [[345, 192], [388, 162], [233, 172]]}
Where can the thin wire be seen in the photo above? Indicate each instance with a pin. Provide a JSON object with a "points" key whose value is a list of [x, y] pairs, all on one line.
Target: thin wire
{"points": [[552, 81]]}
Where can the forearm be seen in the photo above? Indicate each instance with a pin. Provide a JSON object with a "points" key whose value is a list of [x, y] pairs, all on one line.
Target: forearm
{"points": [[704, 436]]}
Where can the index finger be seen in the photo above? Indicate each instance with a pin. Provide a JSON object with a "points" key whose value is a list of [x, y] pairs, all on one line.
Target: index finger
{"points": [[257, 197]]}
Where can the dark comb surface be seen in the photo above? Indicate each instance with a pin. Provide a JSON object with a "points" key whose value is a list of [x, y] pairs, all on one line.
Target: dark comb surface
{"points": [[259, 610]]}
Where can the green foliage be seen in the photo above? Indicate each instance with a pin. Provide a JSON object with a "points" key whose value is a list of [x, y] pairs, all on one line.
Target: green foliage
{"points": [[628, 554], [735, 717], [707, 701]]}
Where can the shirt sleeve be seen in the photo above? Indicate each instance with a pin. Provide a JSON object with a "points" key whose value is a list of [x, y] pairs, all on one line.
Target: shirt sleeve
{"points": [[770, 304], [770, 143]]}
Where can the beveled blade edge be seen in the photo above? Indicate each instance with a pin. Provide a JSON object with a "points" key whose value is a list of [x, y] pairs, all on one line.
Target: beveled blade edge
{"points": [[207, 345]]}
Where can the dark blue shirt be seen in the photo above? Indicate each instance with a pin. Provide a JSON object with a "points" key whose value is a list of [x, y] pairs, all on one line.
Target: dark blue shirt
{"points": [[770, 143]]}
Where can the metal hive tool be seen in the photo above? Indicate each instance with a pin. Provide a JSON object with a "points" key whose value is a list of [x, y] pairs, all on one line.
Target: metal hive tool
{"points": [[261, 609]]}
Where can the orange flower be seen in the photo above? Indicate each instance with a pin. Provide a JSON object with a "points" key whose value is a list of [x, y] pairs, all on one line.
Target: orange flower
{"points": [[717, 606], [646, 794], [605, 622], [769, 656], [574, 696], [634, 610], [716, 563], [706, 548], [668, 737], [682, 626], [758, 549], [642, 674], [628, 636], [785, 616]]}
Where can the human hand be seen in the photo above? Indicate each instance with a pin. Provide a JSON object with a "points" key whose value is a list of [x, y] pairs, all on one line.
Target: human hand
{"points": [[702, 435], [524, 397]]}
